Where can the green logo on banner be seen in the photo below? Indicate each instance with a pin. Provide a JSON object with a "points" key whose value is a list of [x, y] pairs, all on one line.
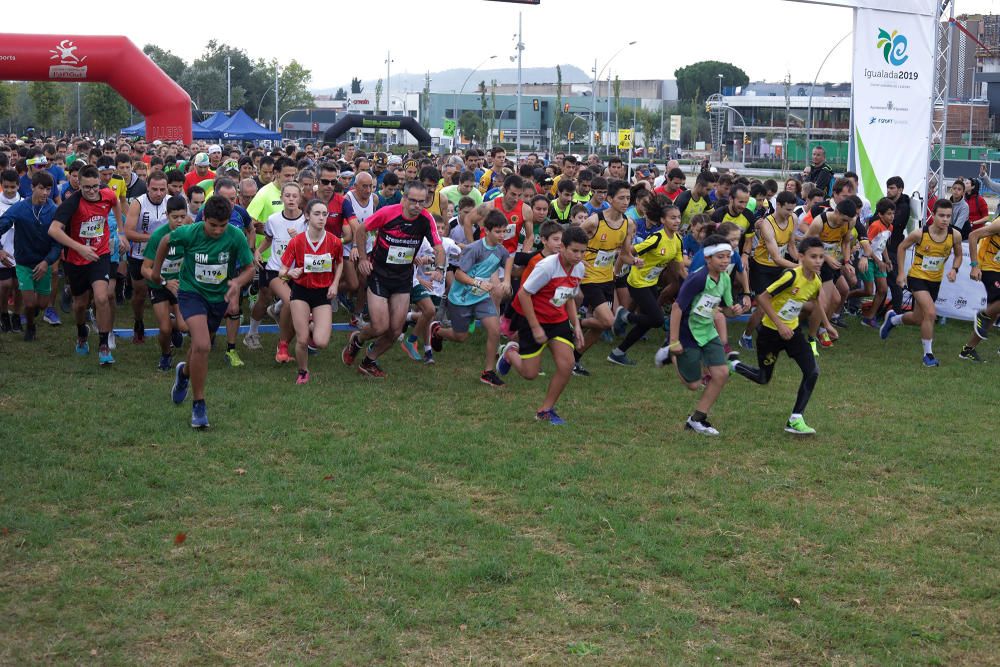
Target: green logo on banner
{"points": [[893, 47], [449, 128], [379, 123]]}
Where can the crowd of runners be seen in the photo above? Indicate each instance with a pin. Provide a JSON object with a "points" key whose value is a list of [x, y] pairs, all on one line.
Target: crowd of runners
{"points": [[418, 251]]}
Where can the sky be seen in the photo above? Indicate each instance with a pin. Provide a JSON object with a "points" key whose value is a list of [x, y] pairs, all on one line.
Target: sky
{"points": [[766, 38]]}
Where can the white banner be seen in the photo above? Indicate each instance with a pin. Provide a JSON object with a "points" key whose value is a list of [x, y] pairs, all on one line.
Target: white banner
{"points": [[675, 128], [961, 299], [893, 78]]}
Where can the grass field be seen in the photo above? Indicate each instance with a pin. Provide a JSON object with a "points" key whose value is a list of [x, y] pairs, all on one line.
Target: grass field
{"points": [[428, 519]]}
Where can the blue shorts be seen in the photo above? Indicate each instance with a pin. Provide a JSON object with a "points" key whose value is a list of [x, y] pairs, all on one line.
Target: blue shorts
{"points": [[193, 304]]}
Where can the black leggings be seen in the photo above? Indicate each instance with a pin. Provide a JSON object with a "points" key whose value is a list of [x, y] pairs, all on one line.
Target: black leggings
{"points": [[649, 315], [769, 345]]}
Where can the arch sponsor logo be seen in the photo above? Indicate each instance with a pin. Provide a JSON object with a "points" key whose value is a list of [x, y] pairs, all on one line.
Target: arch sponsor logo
{"points": [[70, 63]]}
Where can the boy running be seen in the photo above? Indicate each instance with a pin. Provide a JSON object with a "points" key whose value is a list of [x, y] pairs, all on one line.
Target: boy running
{"points": [[164, 294], [206, 291], [984, 248], [780, 330]]}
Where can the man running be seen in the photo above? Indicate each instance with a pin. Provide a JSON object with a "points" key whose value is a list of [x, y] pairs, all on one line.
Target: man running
{"points": [[146, 214], [984, 249]]}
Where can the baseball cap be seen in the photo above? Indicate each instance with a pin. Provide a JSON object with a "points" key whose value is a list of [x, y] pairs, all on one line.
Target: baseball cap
{"points": [[347, 174], [214, 148], [157, 142], [39, 161], [395, 159], [201, 160]]}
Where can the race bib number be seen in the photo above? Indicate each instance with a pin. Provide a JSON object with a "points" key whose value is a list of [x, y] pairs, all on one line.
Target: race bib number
{"points": [[706, 306], [562, 295], [510, 232], [605, 258], [996, 257], [782, 250], [790, 310], [210, 274], [931, 264], [833, 249], [318, 263], [279, 249], [92, 229], [170, 266], [399, 255]]}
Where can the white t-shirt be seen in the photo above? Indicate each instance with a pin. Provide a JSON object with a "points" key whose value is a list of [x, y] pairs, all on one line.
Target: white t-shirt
{"points": [[451, 252], [7, 240], [281, 230]]}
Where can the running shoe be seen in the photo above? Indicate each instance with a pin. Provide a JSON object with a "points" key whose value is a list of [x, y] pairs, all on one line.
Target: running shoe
{"points": [[825, 340], [812, 344], [104, 357], [551, 417], [981, 326], [5, 322], [177, 339], [252, 341], [371, 368], [17, 322], [358, 321], [746, 342], [869, 322], [702, 427], [138, 333], [52, 317], [282, 356], [82, 347], [491, 378], [887, 325], [428, 358], [620, 359], [66, 300], [29, 333], [580, 371], [302, 377], [731, 354], [180, 389], [838, 320], [199, 415], [662, 357], [970, 354], [607, 337], [930, 361], [234, 359], [274, 310], [351, 350], [411, 349], [112, 340], [798, 426], [621, 321], [503, 366], [164, 364], [437, 343]]}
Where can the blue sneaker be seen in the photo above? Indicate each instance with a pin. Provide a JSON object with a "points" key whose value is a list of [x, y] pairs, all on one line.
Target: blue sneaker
{"points": [[52, 317], [607, 337], [551, 417], [621, 321], [177, 339], [165, 360], [410, 347], [887, 325], [930, 361], [620, 359], [746, 342], [82, 347], [180, 389], [503, 366], [199, 415], [104, 357]]}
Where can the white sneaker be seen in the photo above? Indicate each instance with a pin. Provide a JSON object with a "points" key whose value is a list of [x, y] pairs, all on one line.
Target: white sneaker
{"points": [[112, 340], [252, 341], [274, 310], [661, 356], [702, 427]]}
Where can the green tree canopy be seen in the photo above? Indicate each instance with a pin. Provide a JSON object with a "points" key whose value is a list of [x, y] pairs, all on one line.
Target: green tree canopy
{"points": [[701, 79]]}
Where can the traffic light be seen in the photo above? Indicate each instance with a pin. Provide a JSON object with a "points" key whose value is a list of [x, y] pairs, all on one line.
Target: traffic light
{"points": [[597, 137], [569, 135], [566, 108], [501, 136], [534, 104], [746, 139]]}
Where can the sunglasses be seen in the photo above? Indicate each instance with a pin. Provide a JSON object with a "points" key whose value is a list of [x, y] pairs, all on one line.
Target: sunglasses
{"points": [[328, 181]]}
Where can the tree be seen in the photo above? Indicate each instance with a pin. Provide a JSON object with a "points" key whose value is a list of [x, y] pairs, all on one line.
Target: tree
{"points": [[356, 87], [6, 99], [378, 105], [557, 117], [493, 107], [648, 122], [47, 98], [341, 94], [702, 76], [107, 109], [172, 65], [618, 103], [472, 126], [205, 84], [425, 97]]}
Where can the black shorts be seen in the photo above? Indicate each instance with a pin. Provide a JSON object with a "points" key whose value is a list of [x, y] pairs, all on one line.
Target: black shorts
{"points": [[314, 296], [594, 294], [81, 276], [826, 274], [762, 276], [161, 295], [193, 304], [921, 285], [135, 270], [264, 278], [8, 273], [991, 281], [527, 345], [385, 285]]}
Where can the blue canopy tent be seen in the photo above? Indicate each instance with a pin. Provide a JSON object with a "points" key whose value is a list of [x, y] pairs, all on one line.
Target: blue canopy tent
{"points": [[215, 121], [137, 130], [198, 130], [242, 127]]}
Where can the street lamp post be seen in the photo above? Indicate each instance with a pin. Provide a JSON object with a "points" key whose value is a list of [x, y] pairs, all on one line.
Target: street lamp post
{"points": [[593, 92], [809, 112], [720, 82], [462, 89], [261, 104], [520, 51], [229, 86]]}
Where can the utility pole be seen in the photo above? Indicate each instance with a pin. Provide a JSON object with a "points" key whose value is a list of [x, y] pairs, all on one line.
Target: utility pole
{"points": [[229, 85], [593, 107], [276, 129], [517, 132], [78, 131], [788, 111]]}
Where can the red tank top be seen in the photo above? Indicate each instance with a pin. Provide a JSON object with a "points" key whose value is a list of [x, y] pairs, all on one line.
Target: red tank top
{"points": [[515, 221]]}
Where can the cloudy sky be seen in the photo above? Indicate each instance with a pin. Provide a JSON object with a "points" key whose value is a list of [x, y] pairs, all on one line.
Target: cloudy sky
{"points": [[338, 39]]}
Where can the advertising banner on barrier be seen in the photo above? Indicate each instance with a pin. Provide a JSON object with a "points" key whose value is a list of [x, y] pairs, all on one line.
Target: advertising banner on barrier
{"points": [[961, 299], [891, 111]]}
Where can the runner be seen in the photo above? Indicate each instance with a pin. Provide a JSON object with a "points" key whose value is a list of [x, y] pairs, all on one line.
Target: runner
{"points": [[427, 293], [80, 225], [780, 329], [878, 235], [146, 214], [164, 295], [207, 289], [984, 248], [694, 339], [477, 289], [546, 304], [933, 244], [9, 196], [400, 229], [313, 261], [833, 228]]}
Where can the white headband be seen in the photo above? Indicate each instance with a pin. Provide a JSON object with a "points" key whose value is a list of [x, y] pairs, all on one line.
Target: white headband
{"points": [[720, 247]]}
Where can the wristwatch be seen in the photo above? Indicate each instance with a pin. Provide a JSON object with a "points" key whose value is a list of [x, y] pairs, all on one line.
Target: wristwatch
{"points": [[973, 264]]}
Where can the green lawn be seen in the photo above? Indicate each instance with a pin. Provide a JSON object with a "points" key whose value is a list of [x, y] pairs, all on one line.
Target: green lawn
{"points": [[429, 519]]}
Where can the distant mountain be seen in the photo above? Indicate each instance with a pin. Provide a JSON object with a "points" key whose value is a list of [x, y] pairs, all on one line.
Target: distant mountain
{"points": [[452, 79]]}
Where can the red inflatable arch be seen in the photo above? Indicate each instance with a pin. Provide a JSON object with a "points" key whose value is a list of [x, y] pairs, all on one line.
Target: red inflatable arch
{"points": [[105, 59]]}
